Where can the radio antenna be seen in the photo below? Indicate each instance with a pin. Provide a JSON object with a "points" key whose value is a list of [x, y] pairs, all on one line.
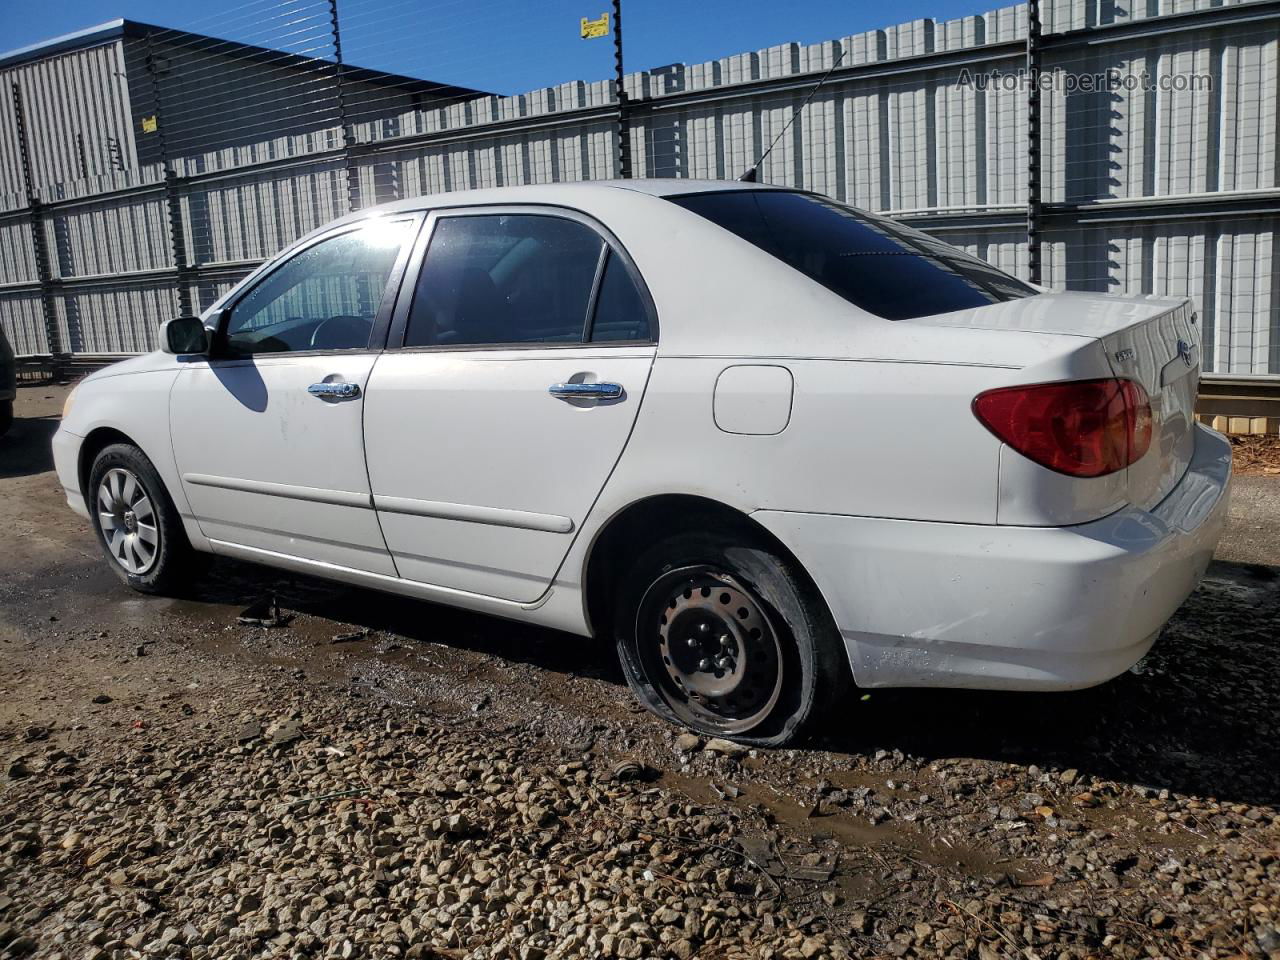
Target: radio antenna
{"points": [[751, 174]]}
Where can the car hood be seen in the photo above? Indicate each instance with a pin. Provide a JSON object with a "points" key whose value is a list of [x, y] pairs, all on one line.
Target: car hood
{"points": [[158, 360]]}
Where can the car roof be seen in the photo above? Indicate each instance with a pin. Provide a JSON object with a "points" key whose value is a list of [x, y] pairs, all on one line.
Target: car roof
{"points": [[673, 186], [541, 193]]}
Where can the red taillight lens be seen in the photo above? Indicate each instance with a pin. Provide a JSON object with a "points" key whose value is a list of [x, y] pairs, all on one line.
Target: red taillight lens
{"points": [[1085, 428]]}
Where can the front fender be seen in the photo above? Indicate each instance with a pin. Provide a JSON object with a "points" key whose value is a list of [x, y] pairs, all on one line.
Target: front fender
{"points": [[135, 404]]}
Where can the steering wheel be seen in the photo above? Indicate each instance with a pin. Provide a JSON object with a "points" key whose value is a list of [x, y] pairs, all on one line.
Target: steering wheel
{"points": [[341, 332]]}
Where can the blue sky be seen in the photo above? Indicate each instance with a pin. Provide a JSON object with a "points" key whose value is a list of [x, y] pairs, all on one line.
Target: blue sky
{"points": [[505, 46]]}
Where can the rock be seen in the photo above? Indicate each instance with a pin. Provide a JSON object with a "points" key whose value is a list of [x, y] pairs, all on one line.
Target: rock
{"points": [[581, 743], [99, 855], [284, 731], [688, 742], [540, 816], [458, 825], [353, 636], [415, 829], [18, 769], [725, 747], [102, 698]]}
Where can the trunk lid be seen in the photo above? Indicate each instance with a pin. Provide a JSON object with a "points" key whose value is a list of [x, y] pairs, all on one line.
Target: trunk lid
{"points": [[1152, 340], [1163, 354]]}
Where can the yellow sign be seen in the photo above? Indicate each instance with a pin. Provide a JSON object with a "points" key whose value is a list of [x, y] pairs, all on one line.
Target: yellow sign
{"points": [[595, 28], [149, 124]]}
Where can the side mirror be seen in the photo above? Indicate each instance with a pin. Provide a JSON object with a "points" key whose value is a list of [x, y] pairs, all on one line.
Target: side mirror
{"points": [[185, 335]]}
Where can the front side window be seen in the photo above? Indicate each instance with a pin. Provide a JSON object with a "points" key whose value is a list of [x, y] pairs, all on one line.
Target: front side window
{"points": [[881, 266], [325, 297], [504, 278]]}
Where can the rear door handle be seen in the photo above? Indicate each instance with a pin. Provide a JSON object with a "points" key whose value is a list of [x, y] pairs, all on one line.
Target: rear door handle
{"points": [[586, 391], [334, 391]]}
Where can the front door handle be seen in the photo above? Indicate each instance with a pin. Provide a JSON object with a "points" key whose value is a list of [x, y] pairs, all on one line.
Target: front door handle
{"points": [[334, 391], [586, 391]]}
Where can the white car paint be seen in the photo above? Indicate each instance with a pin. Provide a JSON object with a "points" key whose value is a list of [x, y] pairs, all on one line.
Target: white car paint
{"points": [[505, 446], [945, 557], [293, 478]]}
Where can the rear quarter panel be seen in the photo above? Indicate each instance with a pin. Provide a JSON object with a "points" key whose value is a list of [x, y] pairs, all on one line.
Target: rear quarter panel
{"points": [[867, 438]]}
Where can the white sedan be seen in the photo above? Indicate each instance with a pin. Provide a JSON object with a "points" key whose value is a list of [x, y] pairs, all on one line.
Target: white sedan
{"points": [[763, 441]]}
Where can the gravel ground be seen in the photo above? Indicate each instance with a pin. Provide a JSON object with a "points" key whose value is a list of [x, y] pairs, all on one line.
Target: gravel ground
{"points": [[381, 778]]}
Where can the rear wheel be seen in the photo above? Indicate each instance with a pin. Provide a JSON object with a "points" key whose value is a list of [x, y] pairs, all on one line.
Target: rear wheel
{"points": [[136, 522], [720, 633]]}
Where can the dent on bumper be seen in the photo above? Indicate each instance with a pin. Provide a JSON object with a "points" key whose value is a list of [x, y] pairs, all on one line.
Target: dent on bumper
{"points": [[960, 605]]}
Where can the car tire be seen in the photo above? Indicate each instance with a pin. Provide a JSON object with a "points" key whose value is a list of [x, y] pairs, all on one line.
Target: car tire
{"points": [[136, 522], [6, 416], [767, 663]]}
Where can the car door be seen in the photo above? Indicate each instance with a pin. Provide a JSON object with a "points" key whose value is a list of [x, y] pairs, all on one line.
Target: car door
{"points": [[523, 341], [267, 429]]}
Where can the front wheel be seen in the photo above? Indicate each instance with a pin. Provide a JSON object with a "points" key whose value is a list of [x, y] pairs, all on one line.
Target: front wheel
{"points": [[137, 524], [721, 633]]}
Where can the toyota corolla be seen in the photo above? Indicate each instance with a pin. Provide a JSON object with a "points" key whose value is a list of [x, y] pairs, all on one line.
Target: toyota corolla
{"points": [[764, 442]]}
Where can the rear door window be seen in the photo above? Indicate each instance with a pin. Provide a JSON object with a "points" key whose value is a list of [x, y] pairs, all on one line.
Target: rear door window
{"points": [[883, 267]]}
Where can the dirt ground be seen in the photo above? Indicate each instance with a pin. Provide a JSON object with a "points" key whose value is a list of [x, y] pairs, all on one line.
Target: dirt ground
{"points": [[1257, 455], [385, 778]]}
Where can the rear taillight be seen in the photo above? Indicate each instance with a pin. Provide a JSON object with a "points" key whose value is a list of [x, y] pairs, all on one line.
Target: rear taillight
{"points": [[1085, 428]]}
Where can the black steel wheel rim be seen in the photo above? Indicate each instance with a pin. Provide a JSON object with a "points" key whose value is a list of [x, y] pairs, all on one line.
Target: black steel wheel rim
{"points": [[707, 645]]}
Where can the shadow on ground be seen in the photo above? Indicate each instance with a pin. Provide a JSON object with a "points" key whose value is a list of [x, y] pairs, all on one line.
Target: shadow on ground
{"points": [[25, 450], [240, 584], [1199, 715]]}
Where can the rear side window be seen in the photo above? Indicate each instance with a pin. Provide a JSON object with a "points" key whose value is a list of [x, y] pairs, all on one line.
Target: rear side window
{"points": [[621, 313], [883, 267], [504, 278]]}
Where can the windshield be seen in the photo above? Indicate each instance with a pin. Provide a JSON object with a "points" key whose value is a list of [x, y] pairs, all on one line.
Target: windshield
{"points": [[881, 266]]}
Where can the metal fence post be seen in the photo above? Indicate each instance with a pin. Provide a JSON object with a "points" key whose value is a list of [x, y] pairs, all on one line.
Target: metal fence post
{"points": [[39, 246], [1034, 61], [620, 90], [172, 193], [348, 136]]}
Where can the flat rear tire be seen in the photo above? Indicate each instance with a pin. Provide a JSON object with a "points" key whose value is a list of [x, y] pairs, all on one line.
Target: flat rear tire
{"points": [[720, 632]]}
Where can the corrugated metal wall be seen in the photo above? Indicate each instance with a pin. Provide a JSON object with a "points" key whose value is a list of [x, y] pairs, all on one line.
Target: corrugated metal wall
{"points": [[79, 127], [1147, 190]]}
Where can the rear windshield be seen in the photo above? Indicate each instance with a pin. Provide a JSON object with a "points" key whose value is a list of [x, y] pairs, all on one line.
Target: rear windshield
{"points": [[883, 267]]}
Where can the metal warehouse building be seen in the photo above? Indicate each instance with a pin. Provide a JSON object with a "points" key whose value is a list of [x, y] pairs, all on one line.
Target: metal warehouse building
{"points": [[161, 165]]}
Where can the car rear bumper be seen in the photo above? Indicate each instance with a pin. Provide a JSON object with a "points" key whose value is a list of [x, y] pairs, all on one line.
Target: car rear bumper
{"points": [[66, 462], [1014, 608]]}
